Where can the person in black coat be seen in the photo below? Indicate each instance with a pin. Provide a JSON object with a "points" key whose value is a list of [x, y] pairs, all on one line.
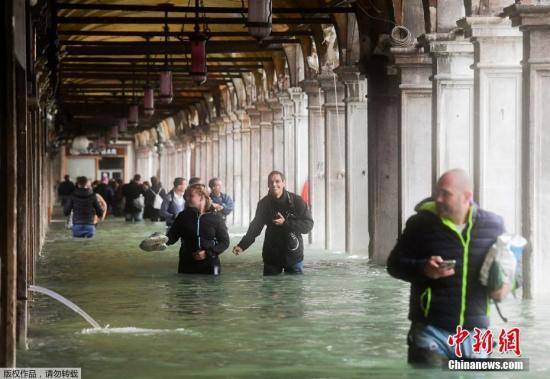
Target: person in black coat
{"points": [[133, 208], [287, 217], [202, 232], [440, 252], [84, 205], [150, 196], [103, 189], [65, 189]]}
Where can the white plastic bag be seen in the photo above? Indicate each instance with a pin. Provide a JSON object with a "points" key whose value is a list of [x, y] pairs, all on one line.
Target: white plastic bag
{"points": [[157, 204], [500, 263]]}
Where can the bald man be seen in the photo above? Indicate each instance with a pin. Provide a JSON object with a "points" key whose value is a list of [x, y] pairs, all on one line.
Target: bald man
{"points": [[440, 253]]}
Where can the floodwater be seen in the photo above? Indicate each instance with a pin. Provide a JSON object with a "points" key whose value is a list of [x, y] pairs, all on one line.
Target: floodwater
{"points": [[344, 318]]}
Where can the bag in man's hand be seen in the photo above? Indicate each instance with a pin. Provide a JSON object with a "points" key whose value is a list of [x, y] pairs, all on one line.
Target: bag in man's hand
{"points": [[139, 203], [157, 204]]}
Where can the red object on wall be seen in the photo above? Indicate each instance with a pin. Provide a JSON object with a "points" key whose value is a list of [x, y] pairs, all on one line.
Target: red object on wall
{"points": [[305, 192]]}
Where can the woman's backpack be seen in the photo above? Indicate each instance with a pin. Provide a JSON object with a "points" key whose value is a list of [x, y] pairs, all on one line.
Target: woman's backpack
{"points": [[157, 204]]}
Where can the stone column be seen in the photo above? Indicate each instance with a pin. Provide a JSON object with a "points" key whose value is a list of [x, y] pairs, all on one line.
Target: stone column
{"points": [[229, 166], [245, 167], [415, 137], [237, 170], [452, 102], [316, 158], [299, 113], [204, 155], [198, 157], [187, 152], [534, 23], [356, 160], [214, 132], [208, 146], [222, 168], [161, 158], [289, 140], [335, 158], [266, 146], [255, 140], [497, 116], [278, 134], [383, 153]]}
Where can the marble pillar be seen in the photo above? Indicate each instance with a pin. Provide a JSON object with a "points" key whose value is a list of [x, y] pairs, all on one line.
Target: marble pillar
{"points": [[335, 158], [415, 133]]}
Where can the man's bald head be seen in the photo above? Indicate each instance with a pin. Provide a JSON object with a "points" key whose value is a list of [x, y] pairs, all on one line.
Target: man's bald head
{"points": [[454, 195], [457, 178]]}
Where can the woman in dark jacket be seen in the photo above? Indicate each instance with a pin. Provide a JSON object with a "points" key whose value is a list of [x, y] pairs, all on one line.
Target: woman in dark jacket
{"points": [[203, 234]]}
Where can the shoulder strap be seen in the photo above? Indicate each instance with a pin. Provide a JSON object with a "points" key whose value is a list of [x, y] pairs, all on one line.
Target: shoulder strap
{"points": [[291, 201]]}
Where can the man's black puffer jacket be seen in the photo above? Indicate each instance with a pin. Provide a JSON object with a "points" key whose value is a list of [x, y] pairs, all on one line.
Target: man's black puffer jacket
{"points": [[84, 205], [298, 221], [459, 299]]}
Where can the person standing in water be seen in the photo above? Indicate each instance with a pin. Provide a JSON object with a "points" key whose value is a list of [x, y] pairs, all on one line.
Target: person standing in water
{"points": [[221, 202], [287, 217], [174, 202], [202, 232], [84, 205], [440, 252]]}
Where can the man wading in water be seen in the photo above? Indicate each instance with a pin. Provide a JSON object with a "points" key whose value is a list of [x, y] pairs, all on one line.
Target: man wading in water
{"points": [[440, 253], [287, 217]]}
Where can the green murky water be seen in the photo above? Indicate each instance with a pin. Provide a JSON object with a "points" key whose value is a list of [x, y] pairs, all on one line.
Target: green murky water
{"points": [[344, 318]]}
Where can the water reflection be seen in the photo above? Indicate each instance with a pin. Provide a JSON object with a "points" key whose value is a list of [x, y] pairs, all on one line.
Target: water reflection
{"points": [[344, 318], [282, 297]]}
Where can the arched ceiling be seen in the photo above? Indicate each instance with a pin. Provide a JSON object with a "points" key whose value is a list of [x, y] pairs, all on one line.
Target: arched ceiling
{"points": [[104, 45]]}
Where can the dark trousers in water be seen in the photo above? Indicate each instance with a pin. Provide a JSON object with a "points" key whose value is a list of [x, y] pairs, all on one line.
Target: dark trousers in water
{"points": [[297, 268], [134, 217], [206, 266]]}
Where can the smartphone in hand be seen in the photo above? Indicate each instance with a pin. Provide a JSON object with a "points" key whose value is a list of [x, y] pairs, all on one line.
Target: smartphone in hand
{"points": [[448, 264]]}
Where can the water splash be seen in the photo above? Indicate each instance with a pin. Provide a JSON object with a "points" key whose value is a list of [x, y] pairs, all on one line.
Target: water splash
{"points": [[137, 331], [67, 302]]}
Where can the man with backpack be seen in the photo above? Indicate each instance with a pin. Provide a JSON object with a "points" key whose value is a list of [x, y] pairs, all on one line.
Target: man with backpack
{"points": [[287, 217], [154, 197], [84, 206], [173, 202], [133, 194]]}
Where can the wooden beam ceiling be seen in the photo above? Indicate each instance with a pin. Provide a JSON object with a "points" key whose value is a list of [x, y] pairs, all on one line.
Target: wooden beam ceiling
{"points": [[104, 51], [202, 10]]}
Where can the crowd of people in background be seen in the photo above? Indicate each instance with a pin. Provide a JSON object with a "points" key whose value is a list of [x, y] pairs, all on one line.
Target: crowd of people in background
{"points": [[135, 201], [196, 215]]}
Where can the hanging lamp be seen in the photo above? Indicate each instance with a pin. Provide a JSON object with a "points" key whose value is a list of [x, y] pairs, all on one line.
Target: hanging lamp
{"points": [[113, 133], [148, 95], [260, 18], [166, 90], [122, 124], [133, 109], [123, 121], [197, 41]]}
